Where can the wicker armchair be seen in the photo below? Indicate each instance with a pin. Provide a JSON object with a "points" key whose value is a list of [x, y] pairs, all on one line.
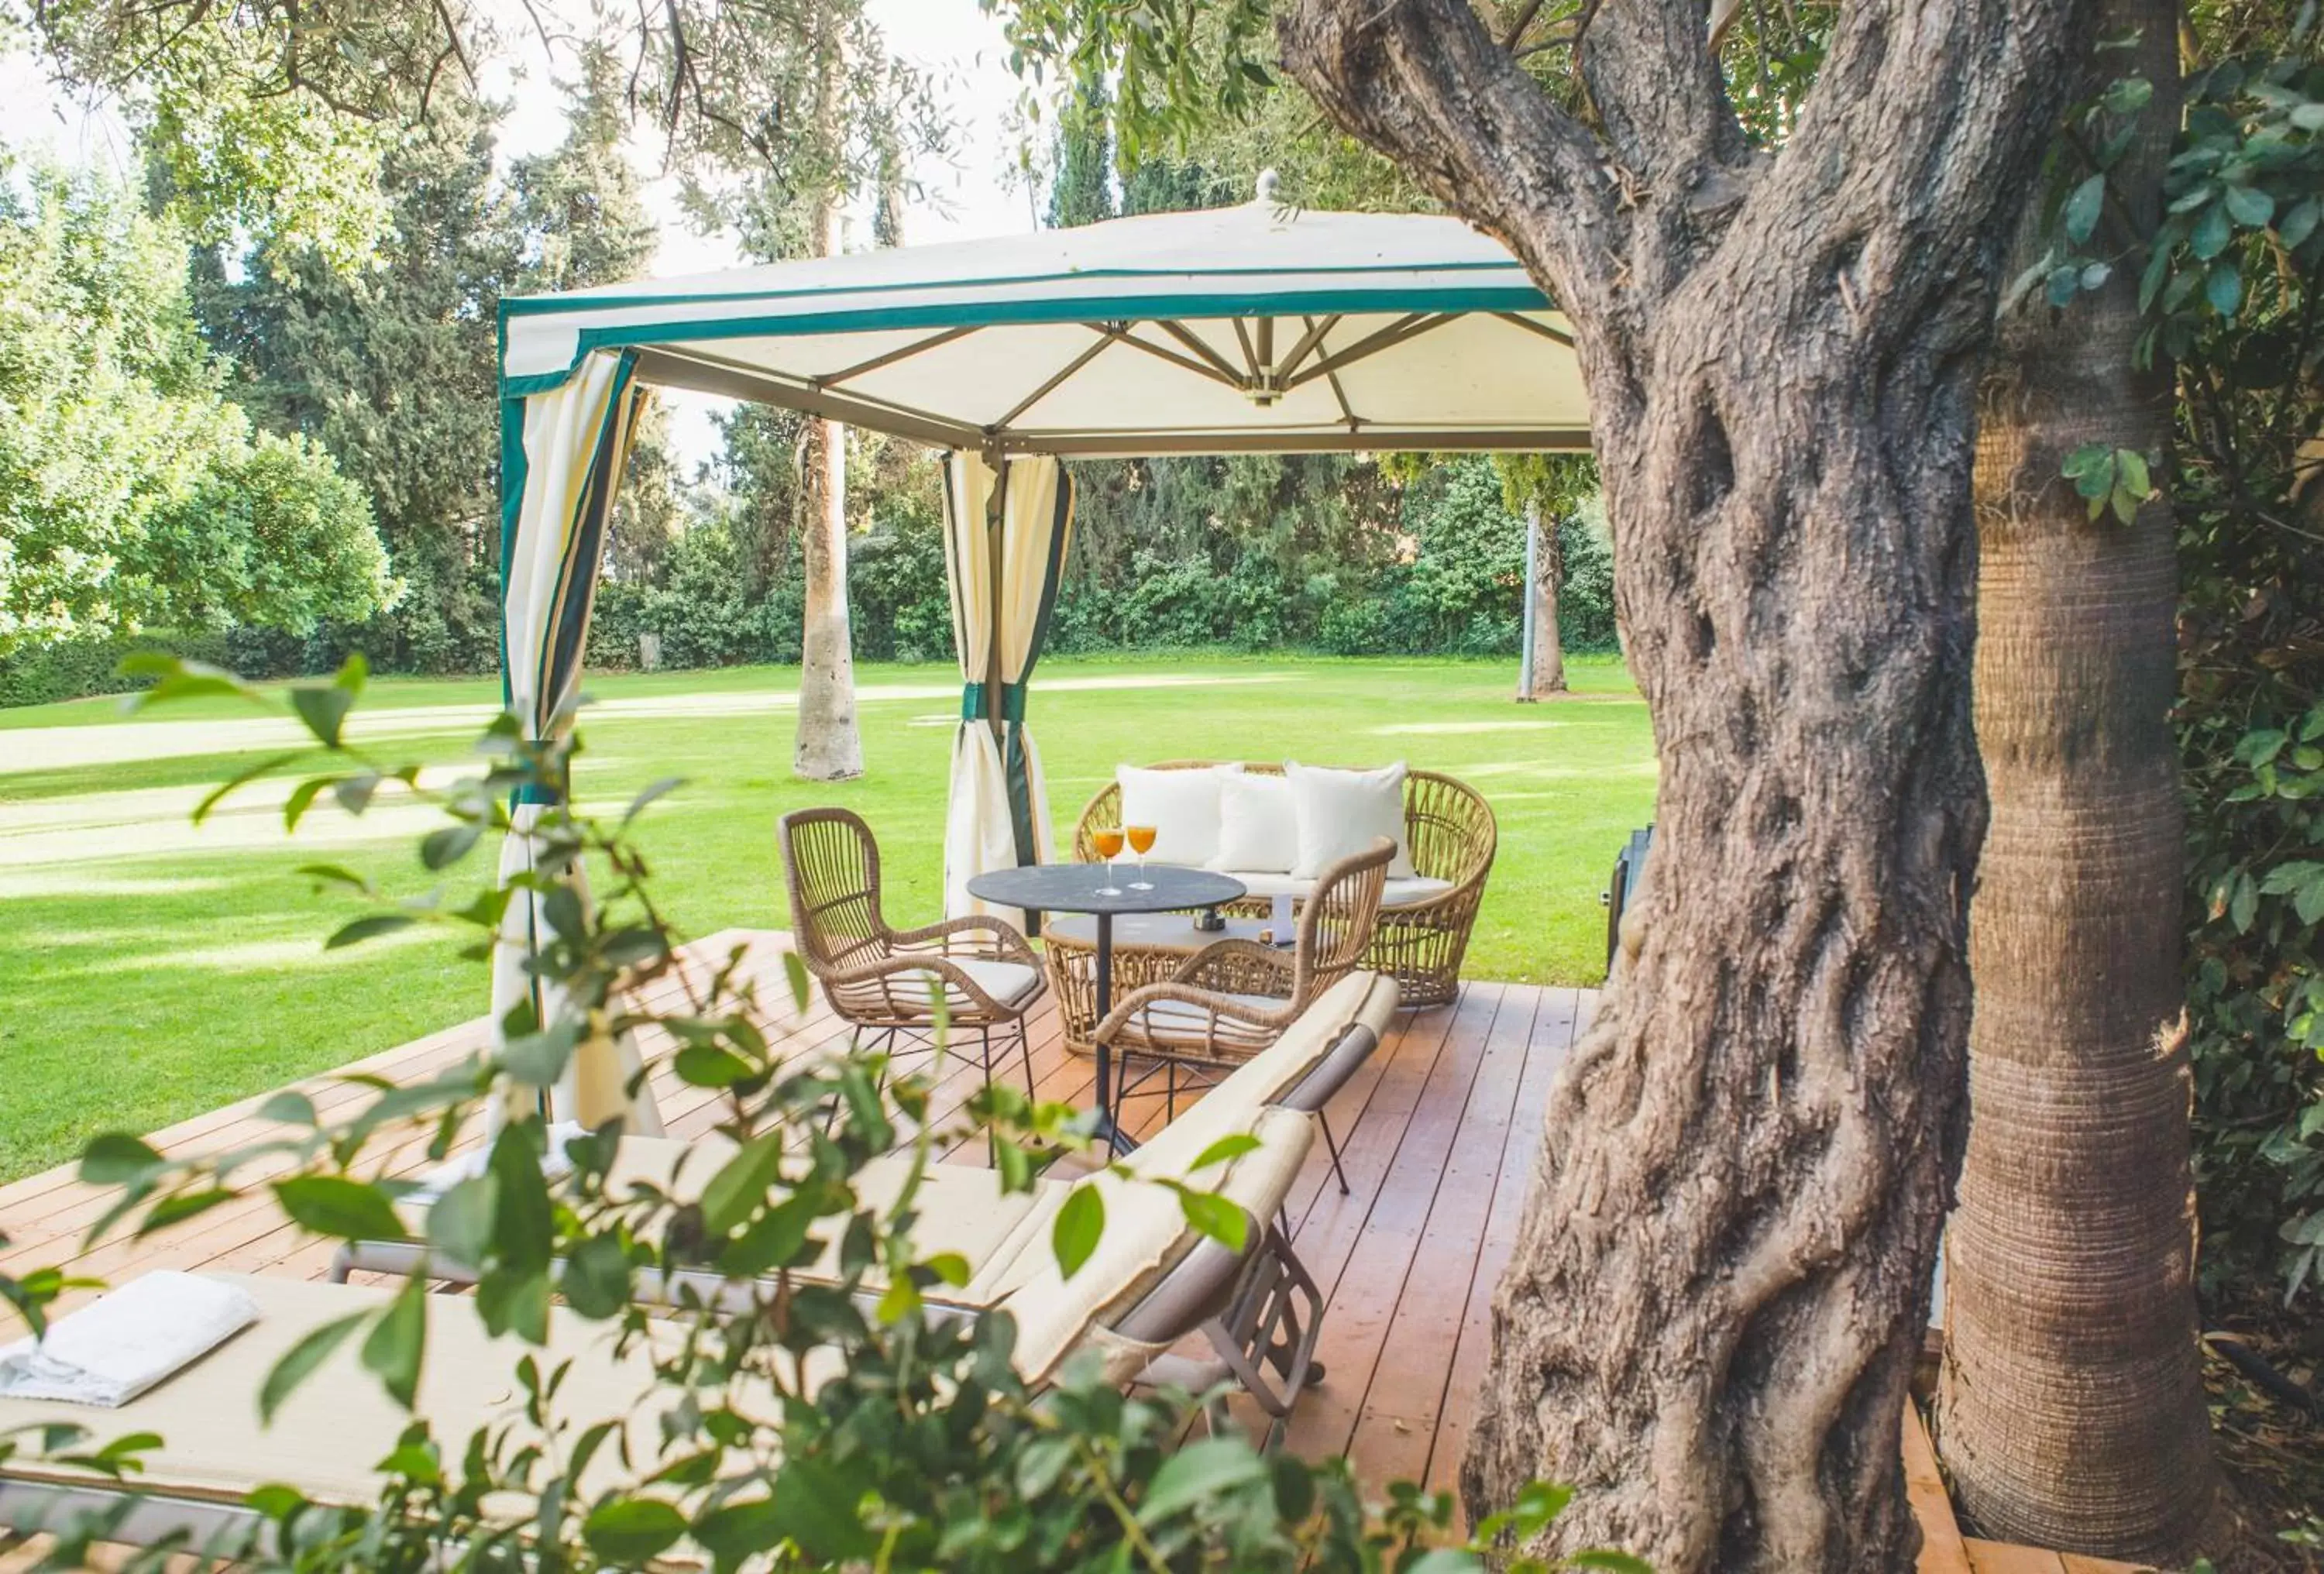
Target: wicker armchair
{"points": [[1232, 999], [885, 983], [1451, 833]]}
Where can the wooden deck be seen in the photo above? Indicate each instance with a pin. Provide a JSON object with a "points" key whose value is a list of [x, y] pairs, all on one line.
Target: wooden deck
{"points": [[1439, 1131]]}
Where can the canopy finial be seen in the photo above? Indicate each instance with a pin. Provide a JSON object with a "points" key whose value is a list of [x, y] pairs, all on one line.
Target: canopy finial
{"points": [[1267, 181]]}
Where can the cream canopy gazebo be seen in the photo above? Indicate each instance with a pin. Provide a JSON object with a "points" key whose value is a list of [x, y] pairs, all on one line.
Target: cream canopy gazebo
{"points": [[1254, 329]]}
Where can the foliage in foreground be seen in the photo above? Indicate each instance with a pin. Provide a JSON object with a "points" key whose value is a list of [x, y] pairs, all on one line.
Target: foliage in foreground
{"points": [[925, 1451]]}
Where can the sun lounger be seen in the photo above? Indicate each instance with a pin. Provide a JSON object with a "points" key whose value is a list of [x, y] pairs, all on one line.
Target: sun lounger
{"points": [[1152, 1281]]}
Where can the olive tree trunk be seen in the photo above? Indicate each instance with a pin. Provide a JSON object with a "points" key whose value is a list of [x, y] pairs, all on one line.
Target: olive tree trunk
{"points": [[1710, 1316], [829, 747], [2071, 1407]]}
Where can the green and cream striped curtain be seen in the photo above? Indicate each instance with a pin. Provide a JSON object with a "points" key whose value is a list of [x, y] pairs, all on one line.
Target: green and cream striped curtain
{"points": [[1005, 542], [562, 450]]}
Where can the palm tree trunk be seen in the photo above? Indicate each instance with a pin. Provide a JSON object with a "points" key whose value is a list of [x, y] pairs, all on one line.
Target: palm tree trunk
{"points": [[2071, 1406], [829, 747]]}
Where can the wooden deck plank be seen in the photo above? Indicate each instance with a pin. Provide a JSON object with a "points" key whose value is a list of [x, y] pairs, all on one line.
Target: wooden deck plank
{"points": [[1397, 1422], [1362, 1287], [1564, 1012], [1941, 1551]]}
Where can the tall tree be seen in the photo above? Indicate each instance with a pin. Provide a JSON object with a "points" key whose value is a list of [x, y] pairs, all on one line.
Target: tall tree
{"points": [[1710, 1318], [386, 367], [829, 746], [133, 493], [2073, 1407]]}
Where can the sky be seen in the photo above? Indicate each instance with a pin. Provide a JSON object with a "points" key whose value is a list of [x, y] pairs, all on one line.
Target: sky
{"points": [[967, 198]]}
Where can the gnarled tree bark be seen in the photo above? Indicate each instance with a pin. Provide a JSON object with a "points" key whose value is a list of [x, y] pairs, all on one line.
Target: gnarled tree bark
{"points": [[1710, 1319], [2072, 1412]]}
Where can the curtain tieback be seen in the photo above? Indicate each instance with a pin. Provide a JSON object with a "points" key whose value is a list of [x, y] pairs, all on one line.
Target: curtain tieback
{"points": [[1012, 702]]}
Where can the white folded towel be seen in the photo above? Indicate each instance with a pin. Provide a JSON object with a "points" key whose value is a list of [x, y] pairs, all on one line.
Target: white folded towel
{"points": [[120, 1345]]}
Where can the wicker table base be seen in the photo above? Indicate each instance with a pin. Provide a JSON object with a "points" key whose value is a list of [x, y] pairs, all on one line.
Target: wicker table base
{"points": [[1147, 947]]}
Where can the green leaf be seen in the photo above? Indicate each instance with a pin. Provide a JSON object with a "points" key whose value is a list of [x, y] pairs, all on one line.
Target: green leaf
{"points": [[337, 1207], [2127, 95], [524, 1224], [821, 1509], [2308, 117], [398, 1341], [289, 1107], [2083, 208], [324, 708], [1601, 1558], [2300, 222], [369, 927], [115, 1158], [741, 1184], [706, 1065], [460, 1223], [950, 1267], [597, 1277], [1079, 1223], [733, 1532], [653, 790], [447, 846], [2211, 233], [2249, 206], [1220, 1218], [1227, 1147], [633, 1529], [186, 1205], [2223, 287], [1202, 1471], [299, 1361]]}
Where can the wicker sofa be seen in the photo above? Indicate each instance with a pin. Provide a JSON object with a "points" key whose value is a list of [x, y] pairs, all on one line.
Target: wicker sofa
{"points": [[1424, 923]]}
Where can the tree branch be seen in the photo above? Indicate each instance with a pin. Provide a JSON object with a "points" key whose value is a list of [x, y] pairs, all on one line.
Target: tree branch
{"points": [[1422, 82]]}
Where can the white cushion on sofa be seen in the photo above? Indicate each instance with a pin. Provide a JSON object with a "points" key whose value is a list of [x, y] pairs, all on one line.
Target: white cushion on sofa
{"points": [[1258, 830], [1183, 807], [1396, 893], [1342, 811]]}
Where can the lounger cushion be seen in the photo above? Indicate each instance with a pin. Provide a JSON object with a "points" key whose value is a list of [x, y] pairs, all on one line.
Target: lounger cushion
{"points": [[1146, 1233], [330, 1437], [1235, 1101], [960, 1208]]}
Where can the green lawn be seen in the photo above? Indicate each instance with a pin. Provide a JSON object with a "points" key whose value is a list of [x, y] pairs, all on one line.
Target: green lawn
{"points": [[150, 970]]}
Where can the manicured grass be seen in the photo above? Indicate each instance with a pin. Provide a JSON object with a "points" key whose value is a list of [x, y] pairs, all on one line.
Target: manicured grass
{"points": [[150, 970]]}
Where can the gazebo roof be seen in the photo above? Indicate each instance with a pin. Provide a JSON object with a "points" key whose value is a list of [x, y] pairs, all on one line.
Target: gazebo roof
{"points": [[1247, 330]]}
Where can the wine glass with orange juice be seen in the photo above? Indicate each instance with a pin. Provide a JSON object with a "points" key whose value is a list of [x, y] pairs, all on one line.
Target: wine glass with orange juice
{"points": [[1141, 841], [1107, 839]]}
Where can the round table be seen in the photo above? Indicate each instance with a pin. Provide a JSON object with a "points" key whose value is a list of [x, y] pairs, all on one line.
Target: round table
{"points": [[1073, 888]]}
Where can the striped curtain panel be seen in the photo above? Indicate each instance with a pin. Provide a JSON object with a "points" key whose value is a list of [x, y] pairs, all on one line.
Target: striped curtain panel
{"points": [[562, 451], [1005, 542]]}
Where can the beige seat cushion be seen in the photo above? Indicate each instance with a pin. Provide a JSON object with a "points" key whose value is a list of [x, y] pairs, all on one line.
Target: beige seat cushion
{"points": [[1007, 982], [960, 1208], [328, 1438], [1395, 893]]}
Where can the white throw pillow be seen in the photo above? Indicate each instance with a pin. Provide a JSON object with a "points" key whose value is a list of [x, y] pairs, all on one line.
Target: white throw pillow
{"points": [[1183, 807], [1258, 830], [1342, 811]]}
